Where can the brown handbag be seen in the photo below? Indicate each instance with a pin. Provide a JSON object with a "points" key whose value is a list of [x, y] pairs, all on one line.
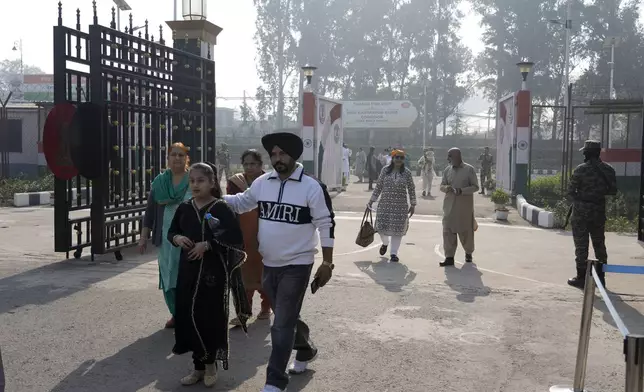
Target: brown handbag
{"points": [[367, 231]]}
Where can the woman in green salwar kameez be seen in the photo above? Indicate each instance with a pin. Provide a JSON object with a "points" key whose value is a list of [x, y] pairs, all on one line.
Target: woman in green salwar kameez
{"points": [[169, 189]]}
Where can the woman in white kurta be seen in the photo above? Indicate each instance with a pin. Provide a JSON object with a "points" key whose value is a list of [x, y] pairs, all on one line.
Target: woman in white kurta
{"points": [[395, 185]]}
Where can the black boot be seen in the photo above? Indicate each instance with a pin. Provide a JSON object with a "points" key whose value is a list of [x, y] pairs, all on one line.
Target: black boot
{"points": [[601, 274], [449, 262], [578, 281], [468, 258]]}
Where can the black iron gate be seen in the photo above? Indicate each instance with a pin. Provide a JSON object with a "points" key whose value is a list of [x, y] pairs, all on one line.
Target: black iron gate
{"points": [[151, 95]]}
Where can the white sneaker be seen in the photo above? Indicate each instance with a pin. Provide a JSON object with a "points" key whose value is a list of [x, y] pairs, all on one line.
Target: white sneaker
{"points": [[299, 367], [272, 388]]}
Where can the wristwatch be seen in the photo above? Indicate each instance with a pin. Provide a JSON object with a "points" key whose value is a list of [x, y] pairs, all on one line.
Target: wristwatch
{"points": [[328, 264]]}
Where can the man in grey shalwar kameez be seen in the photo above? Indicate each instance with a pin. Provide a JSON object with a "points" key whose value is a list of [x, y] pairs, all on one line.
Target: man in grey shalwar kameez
{"points": [[459, 184]]}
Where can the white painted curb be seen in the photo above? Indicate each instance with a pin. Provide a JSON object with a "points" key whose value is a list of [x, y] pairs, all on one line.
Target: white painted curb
{"points": [[31, 199], [535, 215]]}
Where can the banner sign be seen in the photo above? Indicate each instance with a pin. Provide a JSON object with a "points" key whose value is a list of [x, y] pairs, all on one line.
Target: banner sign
{"points": [[379, 114], [329, 137], [505, 134]]}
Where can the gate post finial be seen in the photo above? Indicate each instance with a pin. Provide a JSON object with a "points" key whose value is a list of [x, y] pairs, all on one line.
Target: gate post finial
{"points": [[60, 13], [113, 22], [94, 10], [78, 26], [146, 30]]}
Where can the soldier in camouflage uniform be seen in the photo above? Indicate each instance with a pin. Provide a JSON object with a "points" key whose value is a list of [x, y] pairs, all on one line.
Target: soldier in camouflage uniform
{"points": [[487, 160], [590, 183]]}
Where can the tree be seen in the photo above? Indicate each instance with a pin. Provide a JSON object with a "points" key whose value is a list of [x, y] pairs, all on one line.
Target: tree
{"points": [[246, 113], [10, 75], [276, 48]]}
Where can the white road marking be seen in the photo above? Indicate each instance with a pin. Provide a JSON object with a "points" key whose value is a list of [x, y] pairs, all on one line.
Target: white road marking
{"points": [[339, 217], [440, 254]]}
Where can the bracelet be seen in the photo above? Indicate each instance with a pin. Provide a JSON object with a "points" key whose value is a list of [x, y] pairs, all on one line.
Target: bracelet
{"points": [[174, 242], [328, 264]]}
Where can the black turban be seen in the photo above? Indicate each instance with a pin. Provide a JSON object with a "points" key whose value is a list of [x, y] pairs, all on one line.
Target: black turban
{"points": [[288, 142]]}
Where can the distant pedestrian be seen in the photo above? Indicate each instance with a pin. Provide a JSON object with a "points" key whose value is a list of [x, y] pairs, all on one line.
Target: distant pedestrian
{"points": [[208, 235], [395, 187], [169, 189], [486, 161], [372, 167], [589, 185], [360, 165], [223, 158], [253, 268], [292, 205], [346, 165], [459, 185], [426, 163]]}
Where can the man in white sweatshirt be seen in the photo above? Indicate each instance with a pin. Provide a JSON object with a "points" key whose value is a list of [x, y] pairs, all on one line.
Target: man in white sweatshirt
{"points": [[293, 207]]}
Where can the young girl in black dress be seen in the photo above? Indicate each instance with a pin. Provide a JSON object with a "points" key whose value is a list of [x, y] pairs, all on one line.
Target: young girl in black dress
{"points": [[209, 269]]}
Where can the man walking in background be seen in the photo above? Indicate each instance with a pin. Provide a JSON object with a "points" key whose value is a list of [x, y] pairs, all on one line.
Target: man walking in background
{"points": [[426, 164], [589, 185], [459, 185], [360, 165], [486, 160]]}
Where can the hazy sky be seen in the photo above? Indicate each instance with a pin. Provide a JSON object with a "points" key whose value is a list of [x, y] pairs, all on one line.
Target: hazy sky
{"points": [[33, 20]]}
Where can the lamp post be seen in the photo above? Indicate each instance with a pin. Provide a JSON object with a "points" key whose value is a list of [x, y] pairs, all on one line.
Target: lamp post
{"points": [[17, 46], [121, 5], [611, 42], [424, 114], [525, 67], [195, 9]]}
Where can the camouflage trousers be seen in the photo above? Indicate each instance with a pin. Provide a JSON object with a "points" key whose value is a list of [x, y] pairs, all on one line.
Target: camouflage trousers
{"points": [[584, 227]]}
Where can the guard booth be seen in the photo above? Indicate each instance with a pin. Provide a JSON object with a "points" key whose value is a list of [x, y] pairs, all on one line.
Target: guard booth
{"points": [[622, 145]]}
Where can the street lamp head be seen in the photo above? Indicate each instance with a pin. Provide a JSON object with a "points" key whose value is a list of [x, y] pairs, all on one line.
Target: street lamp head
{"points": [[525, 67], [309, 70], [195, 9]]}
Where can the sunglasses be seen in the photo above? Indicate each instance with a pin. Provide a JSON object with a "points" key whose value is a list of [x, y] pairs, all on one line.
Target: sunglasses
{"points": [[399, 157]]}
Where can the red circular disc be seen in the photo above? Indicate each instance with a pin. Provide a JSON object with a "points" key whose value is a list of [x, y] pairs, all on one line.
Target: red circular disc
{"points": [[57, 141]]}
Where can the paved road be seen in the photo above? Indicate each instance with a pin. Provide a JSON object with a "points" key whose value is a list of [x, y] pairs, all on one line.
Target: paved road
{"points": [[506, 323]]}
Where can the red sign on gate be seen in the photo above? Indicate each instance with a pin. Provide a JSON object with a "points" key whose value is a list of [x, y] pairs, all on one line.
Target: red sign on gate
{"points": [[57, 141]]}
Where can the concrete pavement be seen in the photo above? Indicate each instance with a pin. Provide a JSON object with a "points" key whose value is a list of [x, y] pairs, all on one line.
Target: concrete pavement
{"points": [[508, 322]]}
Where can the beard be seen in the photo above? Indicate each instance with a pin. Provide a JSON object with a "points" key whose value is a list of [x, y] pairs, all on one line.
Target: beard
{"points": [[281, 167]]}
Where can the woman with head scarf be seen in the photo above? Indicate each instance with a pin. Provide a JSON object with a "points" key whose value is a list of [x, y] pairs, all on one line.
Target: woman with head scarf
{"points": [[395, 187], [426, 163], [169, 189], [252, 269]]}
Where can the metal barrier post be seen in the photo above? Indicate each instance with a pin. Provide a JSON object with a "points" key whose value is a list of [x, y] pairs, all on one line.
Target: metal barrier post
{"points": [[584, 329], [634, 352]]}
